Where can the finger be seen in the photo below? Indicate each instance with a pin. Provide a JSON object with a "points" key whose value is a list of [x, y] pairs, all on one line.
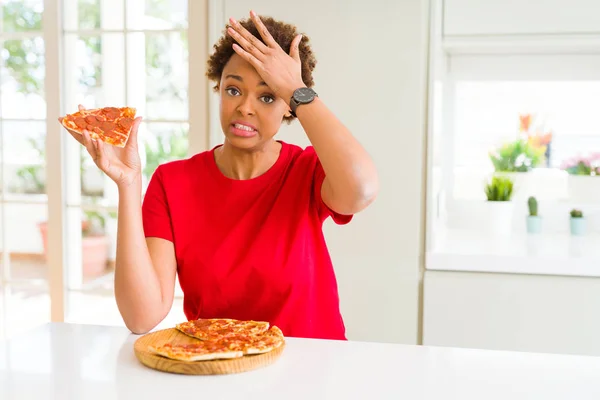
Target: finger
{"points": [[263, 31], [295, 48], [87, 142], [101, 159], [248, 57], [250, 42], [133, 136]]}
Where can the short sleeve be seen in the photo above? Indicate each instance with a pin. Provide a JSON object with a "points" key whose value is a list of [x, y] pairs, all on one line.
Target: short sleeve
{"points": [[155, 210], [324, 210]]}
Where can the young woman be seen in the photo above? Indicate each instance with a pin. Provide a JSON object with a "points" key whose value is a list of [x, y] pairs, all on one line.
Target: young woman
{"points": [[241, 224]]}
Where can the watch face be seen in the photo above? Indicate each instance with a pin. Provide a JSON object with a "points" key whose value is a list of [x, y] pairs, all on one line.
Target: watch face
{"points": [[304, 95]]}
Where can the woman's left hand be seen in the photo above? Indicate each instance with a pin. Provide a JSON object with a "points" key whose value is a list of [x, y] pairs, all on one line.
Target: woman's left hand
{"points": [[282, 72]]}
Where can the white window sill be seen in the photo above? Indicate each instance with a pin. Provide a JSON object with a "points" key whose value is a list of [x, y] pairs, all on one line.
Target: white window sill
{"points": [[543, 254]]}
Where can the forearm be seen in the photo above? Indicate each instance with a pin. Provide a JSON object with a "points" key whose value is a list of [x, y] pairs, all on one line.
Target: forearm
{"points": [[137, 287], [351, 174]]}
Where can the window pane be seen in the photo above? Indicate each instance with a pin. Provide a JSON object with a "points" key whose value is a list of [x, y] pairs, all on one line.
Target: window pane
{"points": [[160, 143], [157, 14], [93, 14], [487, 113], [22, 15], [162, 92], [95, 73], [22, 79], [24, 156]]}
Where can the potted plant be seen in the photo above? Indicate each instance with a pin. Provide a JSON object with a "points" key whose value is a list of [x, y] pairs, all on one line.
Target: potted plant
{"points": [[583, 177], [534, 221], [499, 193], [94, 243], [577, 222], [516, 159]]}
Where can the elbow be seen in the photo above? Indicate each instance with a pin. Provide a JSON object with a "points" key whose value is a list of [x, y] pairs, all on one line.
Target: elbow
{"points": [[139, 327], [141, 324], [361, 198], [365, 196]]}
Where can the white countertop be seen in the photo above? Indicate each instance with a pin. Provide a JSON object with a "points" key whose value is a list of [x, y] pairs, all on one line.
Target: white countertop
{"points": [[66, 361]]}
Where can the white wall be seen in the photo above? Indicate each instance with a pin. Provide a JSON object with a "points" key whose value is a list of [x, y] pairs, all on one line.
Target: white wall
{"points": [[371, 71]]}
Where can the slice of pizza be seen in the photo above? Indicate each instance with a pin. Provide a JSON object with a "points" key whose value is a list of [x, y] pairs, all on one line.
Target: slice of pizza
{"points": [[268, 341], [201, 351], [218, 328], [112, 125]]}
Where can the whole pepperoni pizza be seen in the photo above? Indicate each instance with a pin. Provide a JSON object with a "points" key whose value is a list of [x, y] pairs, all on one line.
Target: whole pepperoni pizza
{"points": [[112, 125]]}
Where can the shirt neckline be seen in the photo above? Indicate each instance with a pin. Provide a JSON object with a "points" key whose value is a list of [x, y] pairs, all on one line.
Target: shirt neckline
{"points": [[283, 153]]}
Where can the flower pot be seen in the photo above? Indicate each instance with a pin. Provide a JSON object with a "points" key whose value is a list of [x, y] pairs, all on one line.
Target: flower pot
{"points": [[577, 226], [534, 224], [584, 188], [95, 255], [94, 251], [499, 217]]}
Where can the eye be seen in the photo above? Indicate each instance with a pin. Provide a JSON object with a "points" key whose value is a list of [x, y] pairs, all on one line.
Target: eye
{"points": [[232, 91], [267, 99]]}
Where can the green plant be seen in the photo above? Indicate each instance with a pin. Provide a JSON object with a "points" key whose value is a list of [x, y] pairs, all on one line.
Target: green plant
{"points": [[31, 175], [517, 156], [533, 206], [168, 148], [94, 223], [499, 189], [576, 213]]}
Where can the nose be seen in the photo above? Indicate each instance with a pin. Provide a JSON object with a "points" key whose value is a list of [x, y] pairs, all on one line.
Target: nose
{"points": [[245, 107]]}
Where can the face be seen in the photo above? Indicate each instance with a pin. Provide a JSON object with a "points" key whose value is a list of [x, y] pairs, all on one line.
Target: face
{"points": [[250, 113]]}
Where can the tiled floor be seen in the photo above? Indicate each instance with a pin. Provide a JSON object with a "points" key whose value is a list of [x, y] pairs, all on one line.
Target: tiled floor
{"points": [[25, 306]]}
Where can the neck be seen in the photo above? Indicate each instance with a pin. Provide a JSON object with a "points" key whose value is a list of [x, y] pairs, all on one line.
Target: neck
{"points": [[242, 164]]}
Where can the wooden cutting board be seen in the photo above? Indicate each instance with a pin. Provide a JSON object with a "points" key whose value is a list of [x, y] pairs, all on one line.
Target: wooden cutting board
{"points": [[212, 367]]}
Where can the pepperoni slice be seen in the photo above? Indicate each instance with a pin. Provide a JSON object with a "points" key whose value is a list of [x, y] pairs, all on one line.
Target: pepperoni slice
{"points": [[80, 122], [108, 126], [91, 120], [111, 113], [125, 123]]}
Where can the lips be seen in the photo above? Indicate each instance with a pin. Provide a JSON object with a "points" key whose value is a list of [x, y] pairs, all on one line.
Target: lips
{"points": [[243, 129]]}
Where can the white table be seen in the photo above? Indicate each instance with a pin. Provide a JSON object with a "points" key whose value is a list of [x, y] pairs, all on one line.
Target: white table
{"points": [[65, 361]]}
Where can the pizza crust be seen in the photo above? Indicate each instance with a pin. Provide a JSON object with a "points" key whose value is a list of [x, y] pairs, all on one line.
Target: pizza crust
{"points": [[185, 353]]}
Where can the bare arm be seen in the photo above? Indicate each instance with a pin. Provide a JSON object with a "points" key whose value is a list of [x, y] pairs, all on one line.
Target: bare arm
{"points": [[351, 181], [145, 268]]}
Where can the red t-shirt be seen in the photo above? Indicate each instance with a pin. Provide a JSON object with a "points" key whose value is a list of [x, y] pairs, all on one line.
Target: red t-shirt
{"points": [[250, 249]]}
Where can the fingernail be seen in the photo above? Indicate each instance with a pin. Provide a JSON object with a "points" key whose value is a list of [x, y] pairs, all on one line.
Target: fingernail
{"points": [[232, 20]]}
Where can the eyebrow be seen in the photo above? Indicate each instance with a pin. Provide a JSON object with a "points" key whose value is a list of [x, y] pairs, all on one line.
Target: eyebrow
{"points": [[239, 78]]}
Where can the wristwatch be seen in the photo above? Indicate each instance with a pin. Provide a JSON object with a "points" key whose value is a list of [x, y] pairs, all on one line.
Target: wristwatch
{"points": [[302, 95]]}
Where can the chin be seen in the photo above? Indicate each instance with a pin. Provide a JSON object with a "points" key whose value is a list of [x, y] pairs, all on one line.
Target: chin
{"points": [[244, 143]]}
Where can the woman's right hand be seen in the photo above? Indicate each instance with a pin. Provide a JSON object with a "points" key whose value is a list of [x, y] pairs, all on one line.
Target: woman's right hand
{"points": [[122, 165]]}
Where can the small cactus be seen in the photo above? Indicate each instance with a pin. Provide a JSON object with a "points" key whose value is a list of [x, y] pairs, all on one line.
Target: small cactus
{"points": [[576, 213], [533, 206]]}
